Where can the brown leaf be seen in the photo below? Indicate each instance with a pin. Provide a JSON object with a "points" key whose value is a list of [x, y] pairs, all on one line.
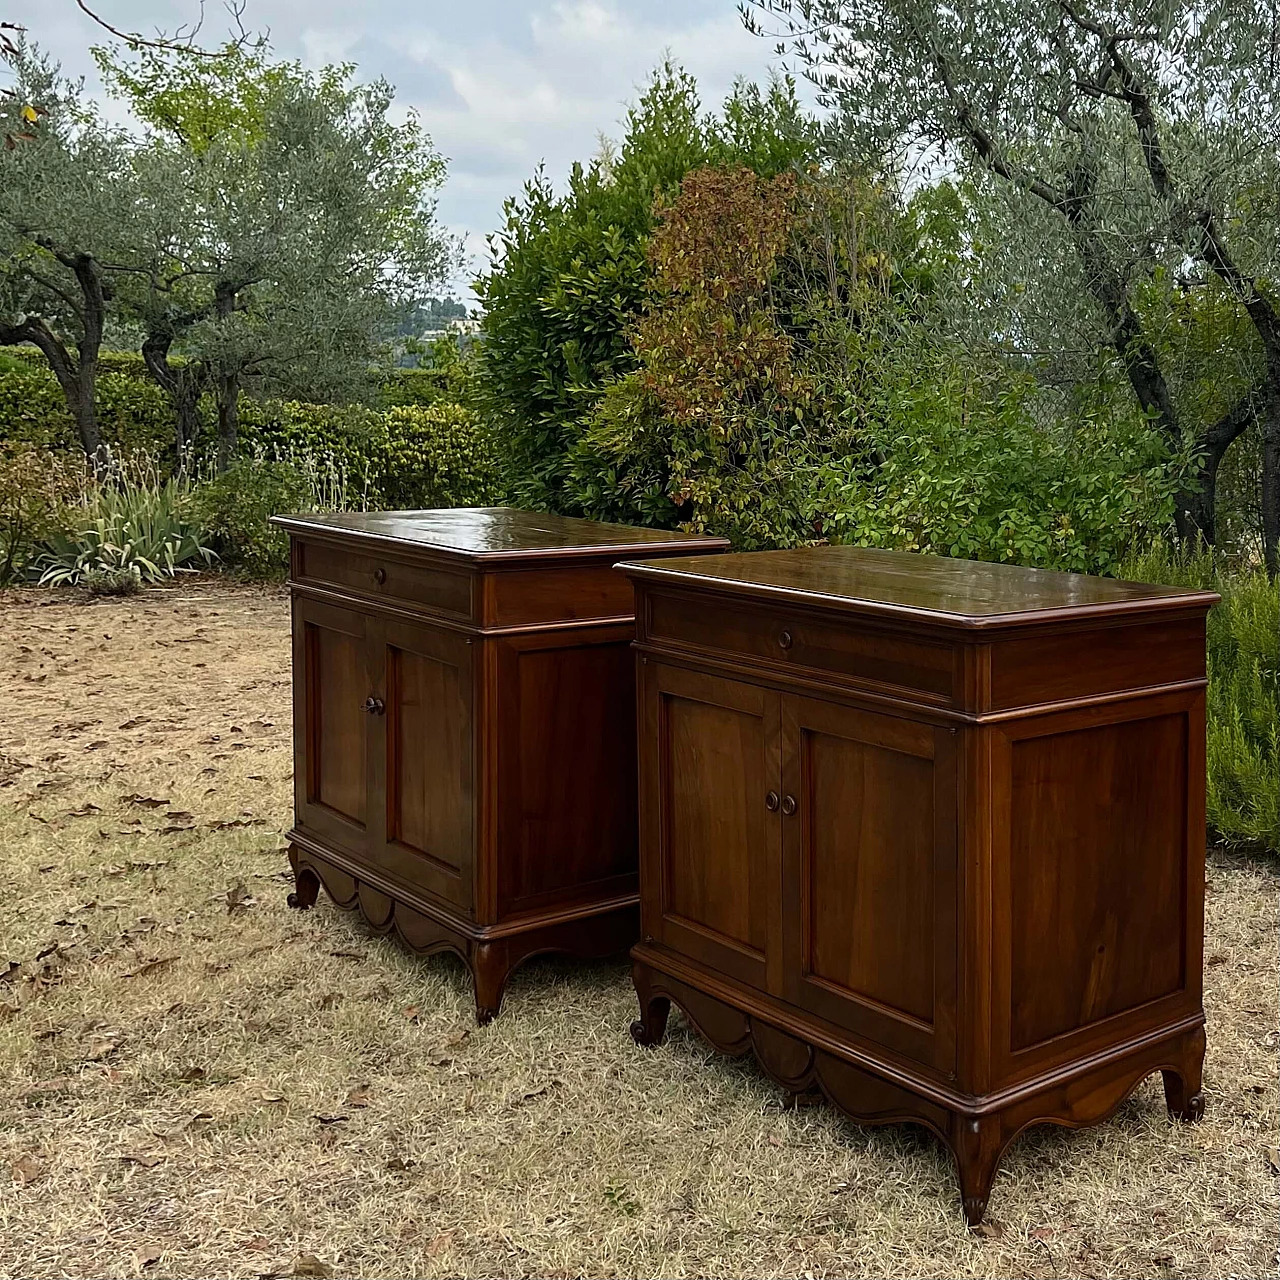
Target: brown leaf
{"points": [[180, 815], [1273, 1159], [358, 1096], [146, 866], [150, 966], [135, 722], [397, 1165], [192, 1074], [332, 1119], [239, 898], [26, 1169], [260, 1244], [85, 811], [1043, 1233], [145, 1159], [227, 823], [145, 802], [9, 973], [413, 1013], [441, 1244], [989, 1230], [307, 1264], [146, 1257]]}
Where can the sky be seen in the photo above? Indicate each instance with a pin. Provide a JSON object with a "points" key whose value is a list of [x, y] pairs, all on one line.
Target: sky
{"points": [[500, 85]]}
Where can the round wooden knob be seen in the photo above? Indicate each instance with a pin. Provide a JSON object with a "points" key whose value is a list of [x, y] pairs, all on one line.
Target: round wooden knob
{"points": [[785, 639], [379, 575], [374, 706], [788, 805], [771, 801]]}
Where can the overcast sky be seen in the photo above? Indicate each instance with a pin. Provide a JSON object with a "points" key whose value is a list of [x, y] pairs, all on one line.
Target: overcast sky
{"points": [[499, 84]]}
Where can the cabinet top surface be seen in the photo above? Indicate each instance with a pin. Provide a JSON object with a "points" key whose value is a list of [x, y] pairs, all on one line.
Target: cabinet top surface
{"points": [[967, 593], [495, 532]]}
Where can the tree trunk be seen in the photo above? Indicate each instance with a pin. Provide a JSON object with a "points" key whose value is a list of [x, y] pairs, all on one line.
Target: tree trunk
{"points": [[76, 377], [228, 418], [181, 385], [1270, 425]]}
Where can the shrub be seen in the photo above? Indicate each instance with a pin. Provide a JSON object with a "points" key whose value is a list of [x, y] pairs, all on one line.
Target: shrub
{"points": [[234, 509], [1243, 701], [35, 488], [131, 521], [571, 272], [438, 455], [124, 581]]}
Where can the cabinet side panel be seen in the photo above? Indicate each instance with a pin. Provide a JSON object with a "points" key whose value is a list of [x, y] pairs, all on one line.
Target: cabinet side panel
{"points": [[1097, 873], [336, 684], [870, 873]]}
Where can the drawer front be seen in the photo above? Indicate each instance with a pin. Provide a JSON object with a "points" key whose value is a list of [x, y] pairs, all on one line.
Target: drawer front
{"points": [[431, 587], [805, 643]]}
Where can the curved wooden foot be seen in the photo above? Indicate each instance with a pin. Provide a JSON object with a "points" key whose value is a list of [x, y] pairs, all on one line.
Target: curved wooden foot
{"points": [[490, 968], [1182, 1092], [306, 888], [977, 1143], [650, 1027]]}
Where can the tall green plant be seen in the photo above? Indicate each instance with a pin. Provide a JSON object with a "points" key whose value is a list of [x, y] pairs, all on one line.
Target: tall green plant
{"points": [[570, 270]]}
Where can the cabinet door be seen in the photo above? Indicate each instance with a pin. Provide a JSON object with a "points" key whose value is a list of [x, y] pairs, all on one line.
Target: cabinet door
{"points": [[422, 751], [869, 848], [711, 843], [331, 682]]}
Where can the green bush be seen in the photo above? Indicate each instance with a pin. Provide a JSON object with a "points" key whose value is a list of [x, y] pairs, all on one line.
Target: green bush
{"points": [[571, 272], [130, 523], [36, 487], [1243, 702], [234, 508], [438, 455]]}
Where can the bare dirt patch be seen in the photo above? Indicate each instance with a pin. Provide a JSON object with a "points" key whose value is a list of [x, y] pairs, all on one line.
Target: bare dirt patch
{"points": [[196, 1081]]}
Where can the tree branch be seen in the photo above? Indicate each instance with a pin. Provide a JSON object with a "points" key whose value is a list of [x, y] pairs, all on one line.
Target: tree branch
{"points": [[178, 42]]}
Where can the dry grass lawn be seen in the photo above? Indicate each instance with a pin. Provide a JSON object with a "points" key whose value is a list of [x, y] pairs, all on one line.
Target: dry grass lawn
{"points": [[195, 1081]]}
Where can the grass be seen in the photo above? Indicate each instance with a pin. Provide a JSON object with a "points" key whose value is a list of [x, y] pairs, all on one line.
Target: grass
{"points": [[196, 1081]]}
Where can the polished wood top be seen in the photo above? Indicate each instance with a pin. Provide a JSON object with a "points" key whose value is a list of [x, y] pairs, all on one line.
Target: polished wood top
{"points": [[964, 593], [485, 533]]}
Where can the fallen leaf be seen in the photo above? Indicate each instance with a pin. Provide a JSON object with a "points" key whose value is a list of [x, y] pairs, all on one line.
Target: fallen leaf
{"points": [[146, 866], [413, 1013], [775, 1141], [180, 815], [226, 824], [1042, 1233], [145, 1159], [239, 898], [145, 802], [397, 1165], [989, 1230], [192, 1074], [271, 1097], [7, 974], [442, 1243], [173, 830], [146, 1257], [150, 966], [26, 1169], [348, 955], [332, 1119], [85, 811], [1273, 1159], [358, 1096], [307, 1264], [259, 1244], [135, 722]]}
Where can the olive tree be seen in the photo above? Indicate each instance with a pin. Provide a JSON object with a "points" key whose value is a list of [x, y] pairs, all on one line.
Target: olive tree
{"points": [[1143, 137]]}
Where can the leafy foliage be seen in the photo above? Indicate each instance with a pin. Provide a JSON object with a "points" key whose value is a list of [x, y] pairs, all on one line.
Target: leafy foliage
{"points": [[1243, 702], [234, 508], [35, 488], [571, 271], [130, 522]]}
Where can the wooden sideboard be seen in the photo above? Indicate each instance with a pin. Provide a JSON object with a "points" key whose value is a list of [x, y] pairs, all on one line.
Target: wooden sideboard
{"points": [[464, 729], [925, 834]]}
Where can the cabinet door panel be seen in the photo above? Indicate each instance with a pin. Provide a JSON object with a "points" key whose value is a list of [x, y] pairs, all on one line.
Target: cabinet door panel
{"points": [[871, 874], [331, 683], [427, 756], [711, 766]]}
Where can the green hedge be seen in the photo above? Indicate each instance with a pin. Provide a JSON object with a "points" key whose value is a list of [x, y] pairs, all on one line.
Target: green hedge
{"points": [[427, 452]]}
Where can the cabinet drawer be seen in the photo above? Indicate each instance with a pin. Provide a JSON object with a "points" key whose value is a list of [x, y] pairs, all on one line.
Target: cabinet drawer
{"points": [[372, 575], [787, 640]]}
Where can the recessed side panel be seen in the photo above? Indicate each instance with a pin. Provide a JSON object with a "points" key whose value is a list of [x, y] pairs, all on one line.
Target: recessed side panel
{"points": [[1097, 884]]}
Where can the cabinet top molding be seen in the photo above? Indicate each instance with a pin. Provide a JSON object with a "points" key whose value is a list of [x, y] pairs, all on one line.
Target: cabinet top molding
{"points": [[494, 533], [967, 594]]}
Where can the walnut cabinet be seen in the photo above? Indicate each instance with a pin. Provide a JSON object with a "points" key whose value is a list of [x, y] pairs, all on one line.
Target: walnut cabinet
{"points": [[925, 834], [464, 721]]}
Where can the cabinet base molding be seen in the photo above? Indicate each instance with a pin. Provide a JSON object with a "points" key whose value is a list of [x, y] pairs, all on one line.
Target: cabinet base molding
{"points": [[491, 955], [976, 1130]]}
